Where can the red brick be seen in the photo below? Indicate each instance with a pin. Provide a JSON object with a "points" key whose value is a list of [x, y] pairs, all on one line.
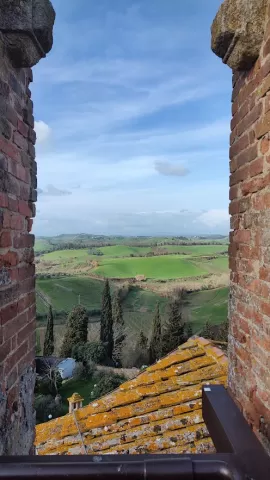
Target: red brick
{"points": [[250, 119], [266, 49], [264, 147], [256, 167], [20, 141], [5, 350], [9, 149], [24, 208], [12, 204], [244, 204], [6, 219], [25, 332], [26, 272], [267, 104], [265, 308], [26, 361], [252, 186], [241, 113], [234, 192], [242, 236], [15, 357], [23, 240], [234, 207], [238, 146], [265, 274], [247, 156], [263, 126], [3, 200], [29, 224], [13, 326], [266, 200], [10, 259], [235, 222], [5, 240], [23, 174], [7, 313], [11, 378], [258, 202], [239, 175], [23, 128], [25, 302], [17, 222]]}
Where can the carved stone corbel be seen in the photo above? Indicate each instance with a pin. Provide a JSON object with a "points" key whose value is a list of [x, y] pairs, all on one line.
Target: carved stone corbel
{"points": [[27, 28], [237, 32]]}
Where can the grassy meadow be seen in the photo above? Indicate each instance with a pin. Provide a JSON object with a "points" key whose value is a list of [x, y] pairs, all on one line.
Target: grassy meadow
{"points": [[69, 276]]}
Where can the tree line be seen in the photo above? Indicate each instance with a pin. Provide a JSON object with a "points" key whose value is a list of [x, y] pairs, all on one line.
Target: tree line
{"points": [[163, 338]]}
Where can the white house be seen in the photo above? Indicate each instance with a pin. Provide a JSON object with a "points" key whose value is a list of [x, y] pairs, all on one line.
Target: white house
{"points": [[66, 367]]}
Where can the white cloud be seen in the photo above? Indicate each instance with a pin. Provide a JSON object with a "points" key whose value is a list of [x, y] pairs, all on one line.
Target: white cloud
{"points": [[170, 169], [43, 132], [215, 217]]}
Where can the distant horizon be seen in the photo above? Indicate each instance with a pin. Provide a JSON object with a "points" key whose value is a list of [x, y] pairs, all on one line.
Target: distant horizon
{"points": [[210, 235]]}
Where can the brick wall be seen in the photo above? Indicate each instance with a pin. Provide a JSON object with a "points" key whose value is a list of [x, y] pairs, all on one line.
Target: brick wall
{"points": [[17, 270], [249, 251]]}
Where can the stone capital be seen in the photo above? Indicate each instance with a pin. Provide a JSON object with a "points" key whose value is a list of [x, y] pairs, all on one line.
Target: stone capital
{"points": [[27, 28], [237, 32]]}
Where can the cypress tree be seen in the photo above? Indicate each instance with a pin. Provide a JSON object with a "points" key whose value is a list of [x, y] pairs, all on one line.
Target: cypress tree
{"points": [[49, 337], [118, 328], [106, 320], [76, 330], [155, 342], [207, 330], [174, 330], [189, 331], [142, 342]]}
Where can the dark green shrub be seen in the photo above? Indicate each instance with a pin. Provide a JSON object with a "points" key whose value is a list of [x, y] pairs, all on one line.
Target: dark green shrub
{"points": [[84, 371], [90, 351], [105, 383], [46, 405]]}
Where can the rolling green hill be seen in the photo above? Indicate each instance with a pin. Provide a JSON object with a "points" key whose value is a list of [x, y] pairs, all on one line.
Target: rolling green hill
{"points": [[161, 267]]}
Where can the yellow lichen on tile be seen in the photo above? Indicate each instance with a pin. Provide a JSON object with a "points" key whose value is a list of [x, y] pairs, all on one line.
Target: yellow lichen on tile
{"points": [[158, 411]]}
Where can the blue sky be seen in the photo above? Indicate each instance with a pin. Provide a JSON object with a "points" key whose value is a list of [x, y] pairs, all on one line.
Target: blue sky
{"points": [[132, 117]]}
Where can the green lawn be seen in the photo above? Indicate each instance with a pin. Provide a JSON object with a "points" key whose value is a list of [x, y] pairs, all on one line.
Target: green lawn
{"points": [[84, 388], [208, 305], [162, 267], [63, 292], [123, 250], [197, 249], [217, 265], [42, 244], [60, 255]]}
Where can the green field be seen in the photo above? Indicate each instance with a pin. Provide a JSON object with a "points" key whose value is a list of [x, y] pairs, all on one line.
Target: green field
{"points": [[162, 267], [63, 292], [208, 305], [71, 276], [62, 255], [124, 251]]}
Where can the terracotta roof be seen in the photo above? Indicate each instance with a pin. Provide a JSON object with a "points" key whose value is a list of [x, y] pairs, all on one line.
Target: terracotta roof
{"points": [[159, 411]]}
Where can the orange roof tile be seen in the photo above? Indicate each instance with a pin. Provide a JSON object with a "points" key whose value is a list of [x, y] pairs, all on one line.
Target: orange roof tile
{"points": [[159, 411]]}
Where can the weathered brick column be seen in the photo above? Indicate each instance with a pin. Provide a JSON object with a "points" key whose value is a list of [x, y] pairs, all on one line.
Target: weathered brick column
{"points": [[25, 37], [241, 36]]}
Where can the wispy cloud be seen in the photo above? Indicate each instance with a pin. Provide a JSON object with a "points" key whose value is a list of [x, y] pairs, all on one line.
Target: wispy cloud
{"points": [[43, 131], [53, 191], [170, 169]]}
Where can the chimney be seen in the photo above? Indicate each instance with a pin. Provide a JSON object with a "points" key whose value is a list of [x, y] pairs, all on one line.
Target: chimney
{"points": [[75, 402], [246, 50]]}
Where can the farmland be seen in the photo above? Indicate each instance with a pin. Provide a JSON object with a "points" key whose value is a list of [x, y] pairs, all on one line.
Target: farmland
{"points": [[147, 270]]}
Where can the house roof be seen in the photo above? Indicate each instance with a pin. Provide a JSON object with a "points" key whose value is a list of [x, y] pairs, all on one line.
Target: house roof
{"points": [[159, 411]]}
